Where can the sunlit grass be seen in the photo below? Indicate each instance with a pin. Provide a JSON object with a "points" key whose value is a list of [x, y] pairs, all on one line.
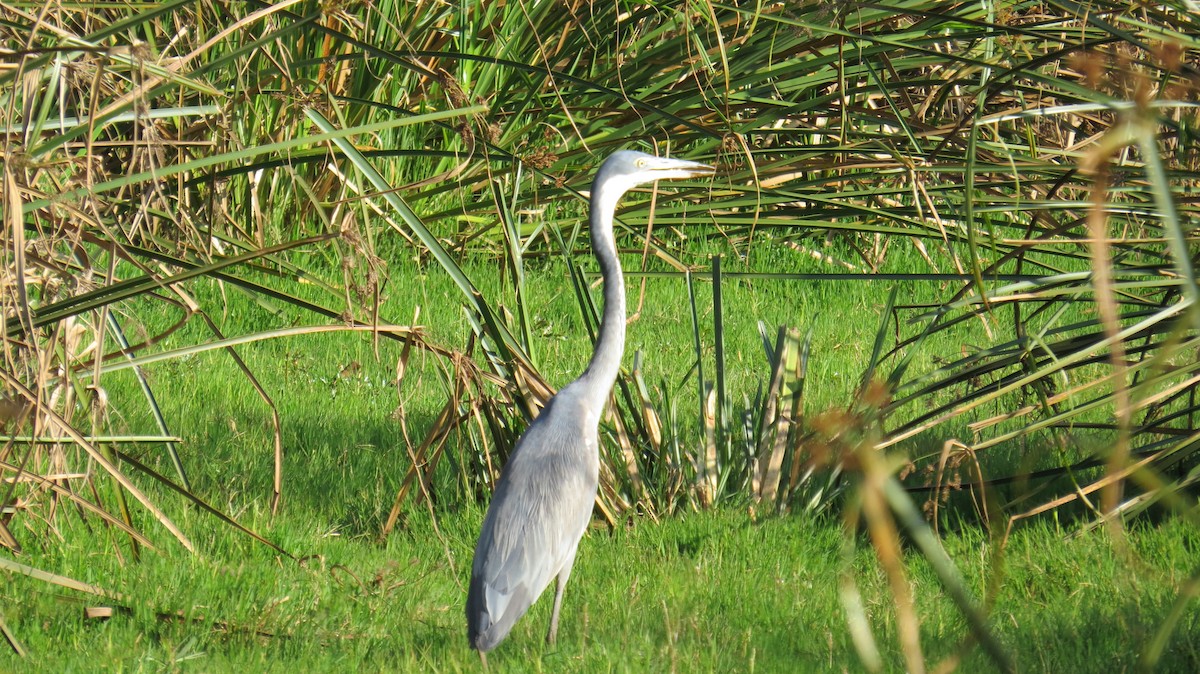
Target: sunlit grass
{"points": [[699, 592], [702, 592]]}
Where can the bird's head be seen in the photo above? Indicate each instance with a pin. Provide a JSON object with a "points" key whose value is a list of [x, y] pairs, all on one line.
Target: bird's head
{"points": [[626, 169]]}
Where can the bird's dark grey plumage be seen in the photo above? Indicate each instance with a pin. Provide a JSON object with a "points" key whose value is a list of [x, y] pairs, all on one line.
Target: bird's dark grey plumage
{"points": [[543, 500]]}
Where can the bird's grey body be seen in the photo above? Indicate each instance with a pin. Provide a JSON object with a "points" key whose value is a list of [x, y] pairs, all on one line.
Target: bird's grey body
{"points": [[538, 520], [543, 501]]}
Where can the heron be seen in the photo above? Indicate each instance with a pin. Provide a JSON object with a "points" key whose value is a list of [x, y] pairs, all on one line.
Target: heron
{"points": [[543, 500]]}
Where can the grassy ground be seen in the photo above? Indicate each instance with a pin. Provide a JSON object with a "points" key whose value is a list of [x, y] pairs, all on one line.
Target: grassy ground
{"points": [[336, 395], [705, 592], [702, 592]]}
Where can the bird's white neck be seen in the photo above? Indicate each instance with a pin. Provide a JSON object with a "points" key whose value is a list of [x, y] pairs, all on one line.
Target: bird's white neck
{"points": [[597, 380]]}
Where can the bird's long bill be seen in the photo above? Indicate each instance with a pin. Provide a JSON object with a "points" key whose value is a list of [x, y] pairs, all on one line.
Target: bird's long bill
{"points": [[663, 168]]}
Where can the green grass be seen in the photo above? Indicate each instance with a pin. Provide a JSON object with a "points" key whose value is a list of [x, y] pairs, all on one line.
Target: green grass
{"points": [[338, 404], [711, 591], [702, 592]]}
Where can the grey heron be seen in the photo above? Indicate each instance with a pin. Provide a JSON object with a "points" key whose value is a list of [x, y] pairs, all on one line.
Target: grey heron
{"points": [[543, 500]]}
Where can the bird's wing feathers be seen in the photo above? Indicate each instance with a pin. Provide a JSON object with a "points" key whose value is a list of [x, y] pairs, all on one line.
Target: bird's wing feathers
{"points": [[540, 510]]}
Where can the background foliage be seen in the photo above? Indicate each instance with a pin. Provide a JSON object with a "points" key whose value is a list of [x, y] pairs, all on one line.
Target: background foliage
{"points": [[1034, 164]]}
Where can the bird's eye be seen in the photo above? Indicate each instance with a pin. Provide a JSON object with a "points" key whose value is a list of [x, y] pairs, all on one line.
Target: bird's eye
{"points": [[641, 163]]}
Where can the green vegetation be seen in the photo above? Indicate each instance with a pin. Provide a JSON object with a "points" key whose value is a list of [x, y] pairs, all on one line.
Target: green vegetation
{"points": [[712, 591], [282, 284]]}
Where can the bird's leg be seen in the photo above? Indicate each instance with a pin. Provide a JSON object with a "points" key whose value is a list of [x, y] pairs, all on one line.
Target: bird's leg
{"points": [[558, 594], [483, 659]]}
